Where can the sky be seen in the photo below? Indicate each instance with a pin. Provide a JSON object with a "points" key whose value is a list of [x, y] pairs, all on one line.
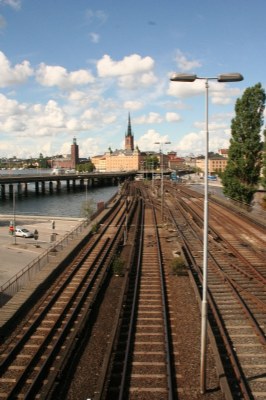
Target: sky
{"points": [[78, 68]]}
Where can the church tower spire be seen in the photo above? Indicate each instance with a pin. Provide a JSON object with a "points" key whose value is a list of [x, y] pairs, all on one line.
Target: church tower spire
{"points": [[129, 139]]}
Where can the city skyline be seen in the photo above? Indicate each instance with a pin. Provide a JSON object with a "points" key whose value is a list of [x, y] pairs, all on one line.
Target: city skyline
{"points": [[78, 70]]}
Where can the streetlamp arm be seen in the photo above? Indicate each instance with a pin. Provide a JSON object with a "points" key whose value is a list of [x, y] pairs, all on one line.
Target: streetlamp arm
{"points": [[227, 77], [231, 77]]}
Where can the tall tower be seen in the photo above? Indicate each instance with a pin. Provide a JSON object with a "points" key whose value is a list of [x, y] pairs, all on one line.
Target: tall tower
{"points": [[74, 153], [129, 139]]}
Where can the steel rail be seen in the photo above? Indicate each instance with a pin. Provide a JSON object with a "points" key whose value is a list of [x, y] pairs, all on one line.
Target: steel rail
{"points": [[66, 329], [135, 215], [20, 381], [223, 333], [169, 361], [133, 311], [15, 350], [108, 254], [126, 360], [12, 354], [214, 231]]}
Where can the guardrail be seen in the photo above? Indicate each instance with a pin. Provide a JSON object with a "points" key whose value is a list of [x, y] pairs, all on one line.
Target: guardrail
{"points": [[14, 284]]}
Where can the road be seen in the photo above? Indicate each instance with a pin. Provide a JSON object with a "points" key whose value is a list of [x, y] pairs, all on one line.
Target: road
{"points": [[17, 252]]}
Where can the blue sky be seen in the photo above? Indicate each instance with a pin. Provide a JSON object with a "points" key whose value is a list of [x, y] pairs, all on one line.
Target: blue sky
{"points": [[77, 68]]}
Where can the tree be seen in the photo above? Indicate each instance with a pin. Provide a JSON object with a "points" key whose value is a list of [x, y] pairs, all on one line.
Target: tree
{"points": [[87, 208], [151, 162], [242, 172], [42, 161], [85, 167], [263, 181]]}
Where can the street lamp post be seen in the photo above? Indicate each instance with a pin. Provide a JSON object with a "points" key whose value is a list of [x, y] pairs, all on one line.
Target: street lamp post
{"points": [[230, 77], [162, 193], [152, 174], [14, 214], [86, 191]]}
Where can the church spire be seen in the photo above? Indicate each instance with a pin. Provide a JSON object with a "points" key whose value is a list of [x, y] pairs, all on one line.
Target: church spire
{"points": [[129, 139], [129, 130]]}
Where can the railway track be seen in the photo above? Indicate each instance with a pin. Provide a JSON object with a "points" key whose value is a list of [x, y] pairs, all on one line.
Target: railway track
{"points": [[141, 364], [141, 361], [236, 291], [33, 360]]}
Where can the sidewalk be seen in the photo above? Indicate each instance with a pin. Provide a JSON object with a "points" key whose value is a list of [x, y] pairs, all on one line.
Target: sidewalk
{"points": [[17, 252]]}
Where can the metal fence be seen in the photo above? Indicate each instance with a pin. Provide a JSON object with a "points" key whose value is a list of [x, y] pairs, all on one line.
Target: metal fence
{"points": [[26, 274]]}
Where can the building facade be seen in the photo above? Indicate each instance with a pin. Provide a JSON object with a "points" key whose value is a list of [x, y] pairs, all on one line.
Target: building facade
{"points": [[128, 159], [68, 161], [215, 164]]}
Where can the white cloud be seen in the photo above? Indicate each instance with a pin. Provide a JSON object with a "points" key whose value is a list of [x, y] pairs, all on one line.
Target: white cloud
{"points": [[8, 106], [133, 105], [90, 147], [137, 81], [17, 149], [223, 94], [184, 64], [185, 89], [172, 117], [194, 142], [13, 123], [147, 141], [91, 114], [23, 120], [16, 75], [151, 118], [130, 65], [58, 76], [52, 116], [219, 93], [191, 143], [77, 95]]}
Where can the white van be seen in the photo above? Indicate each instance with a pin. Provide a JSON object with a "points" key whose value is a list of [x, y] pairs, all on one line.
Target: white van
{"points": [[58, 171]]}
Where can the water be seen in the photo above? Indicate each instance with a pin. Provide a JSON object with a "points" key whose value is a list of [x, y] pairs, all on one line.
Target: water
{"points": [[58, 204]]}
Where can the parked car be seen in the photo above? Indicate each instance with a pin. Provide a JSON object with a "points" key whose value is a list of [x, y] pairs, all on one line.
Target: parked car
{"points": [[23, 232]]}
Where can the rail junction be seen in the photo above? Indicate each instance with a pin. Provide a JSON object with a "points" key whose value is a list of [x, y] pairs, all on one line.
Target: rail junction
{"points": [[91, 334]]}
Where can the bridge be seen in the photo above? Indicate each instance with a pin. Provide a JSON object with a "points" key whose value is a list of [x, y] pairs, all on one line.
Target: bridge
{"points": [[19, 183]]}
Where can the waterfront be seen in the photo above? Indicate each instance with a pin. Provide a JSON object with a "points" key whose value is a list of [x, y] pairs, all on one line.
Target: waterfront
{"points": [[59, 204], [65, 207]]}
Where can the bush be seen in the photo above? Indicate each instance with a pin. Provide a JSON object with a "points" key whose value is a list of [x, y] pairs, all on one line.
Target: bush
{"points": [[87, 209], [118, 266], [178, 266], [264, 203], [95, 227]]}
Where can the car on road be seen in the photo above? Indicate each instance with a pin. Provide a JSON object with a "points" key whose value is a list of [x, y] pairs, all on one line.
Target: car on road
{"points": [[23, 232]]}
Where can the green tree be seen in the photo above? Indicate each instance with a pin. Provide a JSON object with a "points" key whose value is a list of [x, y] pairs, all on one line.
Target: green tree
{"points": [[151, 162], [263, 181], [85, 167], [42, 161], [242, 172], [87, 208]]}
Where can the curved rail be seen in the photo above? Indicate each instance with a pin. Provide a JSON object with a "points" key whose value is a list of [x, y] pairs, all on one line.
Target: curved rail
{"points": [[61, 316], [228, 286]]}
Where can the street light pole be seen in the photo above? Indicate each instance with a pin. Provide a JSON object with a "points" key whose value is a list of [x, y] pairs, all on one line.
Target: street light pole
{"points": [[162, 171], [14, 214], [86, 191], [204, 304], [231, 77]]}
